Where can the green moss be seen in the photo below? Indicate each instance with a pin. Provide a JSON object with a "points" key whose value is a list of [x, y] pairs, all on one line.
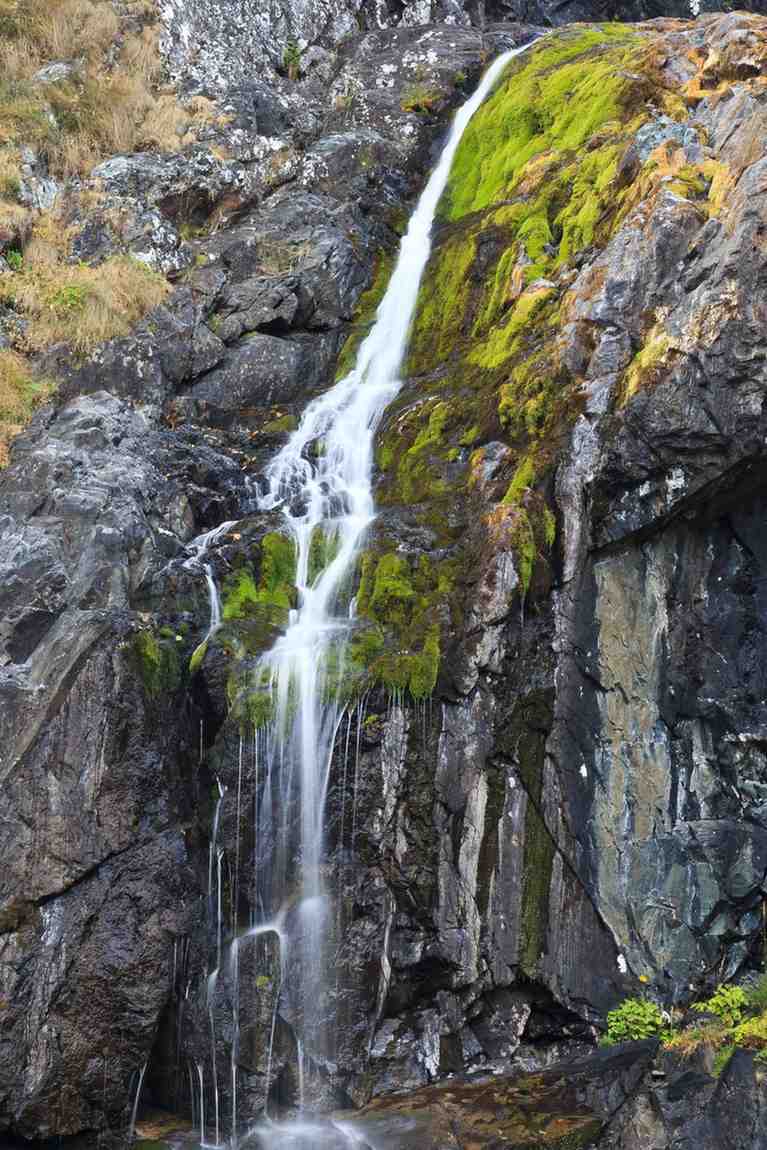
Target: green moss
{"points": [[239, 594], [442, 301], [424, 667], [554, 98], [534, 186], [275, 590], [645, 365], [523, 478], [250, 698], [365, 314], [503, 340], [158, 663], [280, 426], [400, 606], [198, 657], [323, 548], [721, 1058], [549, 526], [254, 606]]}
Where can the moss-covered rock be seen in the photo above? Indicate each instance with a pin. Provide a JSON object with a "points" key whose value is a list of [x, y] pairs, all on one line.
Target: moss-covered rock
{"points": [[158, 662], [400, 605], [545, 173], [272, 592], [367, 307]]}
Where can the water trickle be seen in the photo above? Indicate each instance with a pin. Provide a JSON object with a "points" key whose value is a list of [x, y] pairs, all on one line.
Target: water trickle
{"points": [[201, 1078], [197, 550], [326, 499], [212, 980], [136, 1101]]}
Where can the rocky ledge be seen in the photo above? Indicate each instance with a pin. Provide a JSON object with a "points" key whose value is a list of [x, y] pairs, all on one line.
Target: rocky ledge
{"points": [[557, 734]]}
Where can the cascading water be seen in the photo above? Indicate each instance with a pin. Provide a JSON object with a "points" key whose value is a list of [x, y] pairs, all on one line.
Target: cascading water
{"points": [[322, 483]]}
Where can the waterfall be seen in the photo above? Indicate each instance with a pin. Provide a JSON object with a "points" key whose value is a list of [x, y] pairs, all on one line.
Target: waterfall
{"points": [[322, 482], [198, 549]]}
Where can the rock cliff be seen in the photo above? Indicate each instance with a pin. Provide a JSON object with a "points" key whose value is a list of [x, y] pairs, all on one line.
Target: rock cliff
{"points": [[550, 792]]}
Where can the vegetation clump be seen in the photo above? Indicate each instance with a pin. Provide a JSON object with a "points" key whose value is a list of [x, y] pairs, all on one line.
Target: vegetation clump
{"points": [[536, 183], [273, 592], [254, 604], [737, 1017], [634, 1019], [20, 393], [158, 663], [101, 95], [401, 608], [77, 304], [291, 59], [107, 102], [421, 98]]}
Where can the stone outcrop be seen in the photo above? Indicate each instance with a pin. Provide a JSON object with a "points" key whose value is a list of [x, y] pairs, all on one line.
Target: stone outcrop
{"points": [[552, 791]]}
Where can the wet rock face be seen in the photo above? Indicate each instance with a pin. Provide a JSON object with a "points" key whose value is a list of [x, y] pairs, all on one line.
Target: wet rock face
{"points": [[581, 800], [597, 820], [108, 797]]}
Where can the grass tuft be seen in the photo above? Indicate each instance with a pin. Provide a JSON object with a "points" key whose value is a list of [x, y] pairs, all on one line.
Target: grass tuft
{"points": [[20, 393]]}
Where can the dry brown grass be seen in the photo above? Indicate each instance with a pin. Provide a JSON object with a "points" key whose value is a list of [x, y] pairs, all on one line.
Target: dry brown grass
{"points": [[712, 1035], [140, 55], [60, 29], [79, 305], [112, 103], [20, 394]]}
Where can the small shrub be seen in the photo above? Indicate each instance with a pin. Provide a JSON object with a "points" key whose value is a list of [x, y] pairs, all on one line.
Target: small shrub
{"points": [[634, 1019], [14, 259], [291, 60], [68, 300], [727, 1003]]}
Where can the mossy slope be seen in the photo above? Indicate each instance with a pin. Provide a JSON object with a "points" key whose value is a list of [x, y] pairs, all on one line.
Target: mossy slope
{"points": [[539, 184]]}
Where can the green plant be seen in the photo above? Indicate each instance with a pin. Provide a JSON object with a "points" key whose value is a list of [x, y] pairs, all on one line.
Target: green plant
{"points": [[721, 1058], [68, 300], [14, 259], [757, 995], [752, 1033], [634, 1019], [727, 1003], [291, 59]]}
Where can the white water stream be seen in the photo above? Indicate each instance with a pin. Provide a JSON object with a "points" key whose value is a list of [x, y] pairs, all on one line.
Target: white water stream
{"points": [[322, 481], [198, 549]]}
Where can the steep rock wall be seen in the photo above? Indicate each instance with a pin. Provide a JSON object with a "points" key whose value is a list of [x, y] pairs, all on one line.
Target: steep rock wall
{"points": [[555, 785]]}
